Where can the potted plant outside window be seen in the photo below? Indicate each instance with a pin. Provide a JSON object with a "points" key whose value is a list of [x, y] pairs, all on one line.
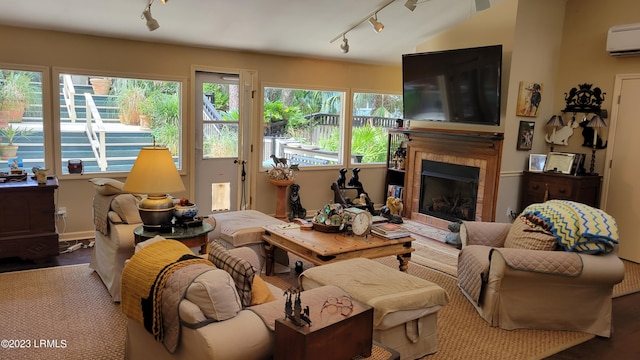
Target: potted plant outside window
{"points": [[130, 101], [8, 134], [16, 94], [101, 86]]}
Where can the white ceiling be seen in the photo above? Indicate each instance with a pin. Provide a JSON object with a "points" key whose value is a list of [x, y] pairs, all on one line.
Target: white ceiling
{"points": [[287, 27]]}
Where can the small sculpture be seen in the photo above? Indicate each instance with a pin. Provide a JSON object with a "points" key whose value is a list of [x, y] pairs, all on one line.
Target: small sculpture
{"points": [[395, 205], [342, 178], [355, 179], [278, 161], [293, 310], [297, 211]]}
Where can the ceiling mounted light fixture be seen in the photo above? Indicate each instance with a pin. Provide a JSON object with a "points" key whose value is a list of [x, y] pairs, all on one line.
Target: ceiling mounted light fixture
{"points": [[152, 24], [372, 18], [377, 25], [411, 4], [344, 47]]}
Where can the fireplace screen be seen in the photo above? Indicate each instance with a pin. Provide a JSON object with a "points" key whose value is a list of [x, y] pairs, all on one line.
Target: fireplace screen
{"points": [[448, 191]]}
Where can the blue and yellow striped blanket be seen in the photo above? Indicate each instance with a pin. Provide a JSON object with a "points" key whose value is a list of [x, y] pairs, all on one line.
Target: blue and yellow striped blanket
{"points": [[578, 227]]}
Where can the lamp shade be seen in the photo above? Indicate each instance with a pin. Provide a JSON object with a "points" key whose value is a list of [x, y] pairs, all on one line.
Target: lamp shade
{"points": [[154, 173]]}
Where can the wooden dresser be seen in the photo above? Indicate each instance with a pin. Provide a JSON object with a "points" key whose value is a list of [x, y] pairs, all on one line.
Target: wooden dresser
{"points": [[538, 187], [27, 219]]}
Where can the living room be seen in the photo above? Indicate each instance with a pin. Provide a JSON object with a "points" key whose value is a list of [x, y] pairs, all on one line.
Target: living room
{"points": [[558, 43]]}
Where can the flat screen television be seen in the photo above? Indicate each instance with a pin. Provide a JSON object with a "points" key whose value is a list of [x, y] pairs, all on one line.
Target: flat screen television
{"points": [[457, 86]]}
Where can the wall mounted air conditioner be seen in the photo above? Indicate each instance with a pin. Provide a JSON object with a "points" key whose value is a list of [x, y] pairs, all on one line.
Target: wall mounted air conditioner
{"points": [[624, 40]]}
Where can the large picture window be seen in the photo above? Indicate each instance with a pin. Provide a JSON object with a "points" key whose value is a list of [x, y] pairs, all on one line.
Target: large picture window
{"points": [[21, 120], [373, 115], [304, 126], [104, 121]]}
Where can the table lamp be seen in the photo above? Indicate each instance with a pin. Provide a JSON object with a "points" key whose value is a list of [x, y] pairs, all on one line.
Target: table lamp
{"points": [[554, 122], [595, 123], [154, 173]]}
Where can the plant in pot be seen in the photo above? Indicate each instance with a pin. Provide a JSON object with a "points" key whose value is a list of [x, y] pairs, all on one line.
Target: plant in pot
{"points": [[16, 94], [277, 117], [8, 149], [130, 101], [101, 86]]}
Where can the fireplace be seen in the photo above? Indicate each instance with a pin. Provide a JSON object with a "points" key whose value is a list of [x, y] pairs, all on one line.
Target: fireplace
{"points": [[462, 173], [448, 191]]}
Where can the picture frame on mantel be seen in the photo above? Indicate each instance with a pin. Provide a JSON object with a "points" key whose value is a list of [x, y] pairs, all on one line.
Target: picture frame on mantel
{"points": [[525, 135], [529, 98]]}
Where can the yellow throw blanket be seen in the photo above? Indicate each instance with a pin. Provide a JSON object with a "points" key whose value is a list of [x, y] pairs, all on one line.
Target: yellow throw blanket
{"points": [[144, 278]]}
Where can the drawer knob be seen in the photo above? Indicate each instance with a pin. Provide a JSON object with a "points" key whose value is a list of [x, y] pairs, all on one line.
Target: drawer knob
{"points": [[535, 186], [562, 190]]}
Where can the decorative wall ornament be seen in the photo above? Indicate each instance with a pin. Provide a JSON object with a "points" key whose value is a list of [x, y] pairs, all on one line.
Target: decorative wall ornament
{"points": [[584, 99]]}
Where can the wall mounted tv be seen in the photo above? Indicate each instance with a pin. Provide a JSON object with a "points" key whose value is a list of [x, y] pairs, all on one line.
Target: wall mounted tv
{"points": [[457, 86]]}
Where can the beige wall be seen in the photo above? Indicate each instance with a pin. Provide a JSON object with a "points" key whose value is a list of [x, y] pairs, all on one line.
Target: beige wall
{"points": [[584, 59], [55, 50], [556, 45]]}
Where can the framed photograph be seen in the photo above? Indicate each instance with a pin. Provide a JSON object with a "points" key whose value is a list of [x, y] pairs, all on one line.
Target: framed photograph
{"points": [[536, 162], [560, 162], [525, 135], [529, 98]]}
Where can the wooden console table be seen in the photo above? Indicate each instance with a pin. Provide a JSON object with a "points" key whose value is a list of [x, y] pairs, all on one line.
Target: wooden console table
{"points": [[27, 219], [321, 248]]}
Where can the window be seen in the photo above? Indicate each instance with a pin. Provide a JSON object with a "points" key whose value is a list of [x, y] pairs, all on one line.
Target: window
{"points": [[220, 120], [21, 120], [104, 121], [304, 126], [373, 115]]}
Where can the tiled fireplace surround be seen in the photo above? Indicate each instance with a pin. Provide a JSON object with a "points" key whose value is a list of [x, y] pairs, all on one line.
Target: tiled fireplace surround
{"points": [[482, 150]]}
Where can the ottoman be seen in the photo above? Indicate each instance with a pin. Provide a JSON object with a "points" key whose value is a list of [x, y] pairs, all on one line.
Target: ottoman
{"points": [[405, 306], [244, 228]]}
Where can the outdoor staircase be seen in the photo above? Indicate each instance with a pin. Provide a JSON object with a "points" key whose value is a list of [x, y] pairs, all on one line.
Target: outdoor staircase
{"points": [[122, 145]]}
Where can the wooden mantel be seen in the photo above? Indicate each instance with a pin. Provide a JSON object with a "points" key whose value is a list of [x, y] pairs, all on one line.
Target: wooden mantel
{"points": [[482, 150]]}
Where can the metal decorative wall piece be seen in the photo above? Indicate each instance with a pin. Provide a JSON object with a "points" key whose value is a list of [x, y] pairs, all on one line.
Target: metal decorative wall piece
{"points": [[584, 99]]}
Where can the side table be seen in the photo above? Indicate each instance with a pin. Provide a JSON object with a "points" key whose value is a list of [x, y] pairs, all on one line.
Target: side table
{"points": [[281, 211], [190, 236]]}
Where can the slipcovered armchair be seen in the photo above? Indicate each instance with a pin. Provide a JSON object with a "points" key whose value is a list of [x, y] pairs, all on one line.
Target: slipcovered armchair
{"points": [[115, 216], [518, 277]]}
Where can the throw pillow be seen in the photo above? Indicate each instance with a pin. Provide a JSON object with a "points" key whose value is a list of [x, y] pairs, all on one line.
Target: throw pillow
{"points": [[126, 206], [523, 236], [260, 292], [240, 270], [215, 293], [106, 187]]}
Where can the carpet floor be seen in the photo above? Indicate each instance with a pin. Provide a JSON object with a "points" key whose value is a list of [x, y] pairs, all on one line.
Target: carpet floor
{"points": [[66, 313], [61, 313]]}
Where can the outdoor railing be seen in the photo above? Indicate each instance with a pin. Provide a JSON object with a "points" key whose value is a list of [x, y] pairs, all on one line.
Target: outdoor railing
{"points": [[96, 133], [69, 92]]}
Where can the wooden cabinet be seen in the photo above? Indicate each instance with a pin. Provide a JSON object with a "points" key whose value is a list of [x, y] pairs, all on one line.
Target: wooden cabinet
{"points": [[27, 219], [539, 187], [394, 177]]}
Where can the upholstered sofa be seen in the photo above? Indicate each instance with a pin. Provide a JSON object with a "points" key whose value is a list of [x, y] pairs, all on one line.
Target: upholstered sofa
{"points": [[115, 216], [517, 277], [215, 321]]}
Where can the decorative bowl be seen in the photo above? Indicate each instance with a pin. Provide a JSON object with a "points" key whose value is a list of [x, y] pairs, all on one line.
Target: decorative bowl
{"points": [[185, 213]]}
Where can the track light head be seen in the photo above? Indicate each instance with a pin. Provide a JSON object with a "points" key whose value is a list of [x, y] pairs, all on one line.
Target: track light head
{"points": [[377, 26], [344, 47], [411, 4], [152, 24]]}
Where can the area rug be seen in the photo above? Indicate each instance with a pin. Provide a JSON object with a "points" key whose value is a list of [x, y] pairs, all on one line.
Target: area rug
{"points": [[463, 334], [59, 313]]}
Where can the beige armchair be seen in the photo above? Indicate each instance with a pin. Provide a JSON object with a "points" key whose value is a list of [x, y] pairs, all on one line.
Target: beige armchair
{"points": [[515, 287], [115, 217]]}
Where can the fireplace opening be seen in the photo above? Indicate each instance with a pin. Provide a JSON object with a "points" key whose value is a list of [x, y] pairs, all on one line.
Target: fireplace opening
{"points": [[448, 191]]}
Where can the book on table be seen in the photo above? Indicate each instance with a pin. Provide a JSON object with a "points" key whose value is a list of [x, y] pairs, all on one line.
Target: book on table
{"points": [[390, 231]]}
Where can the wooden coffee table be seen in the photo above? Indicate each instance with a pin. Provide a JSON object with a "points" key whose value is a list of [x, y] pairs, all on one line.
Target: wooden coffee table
{"points": [[321, 248]]}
